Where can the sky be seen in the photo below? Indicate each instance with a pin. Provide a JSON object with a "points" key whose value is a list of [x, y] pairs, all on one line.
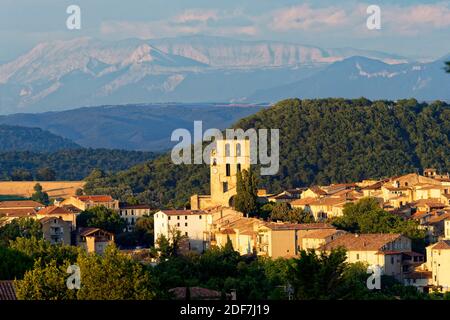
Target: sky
{"points": [[416, 29]]}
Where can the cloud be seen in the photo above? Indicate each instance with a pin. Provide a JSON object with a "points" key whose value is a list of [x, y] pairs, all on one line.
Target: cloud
{"points": [[341, 21], [192, 21], [416, 19], [197, 15], [304, 17]]}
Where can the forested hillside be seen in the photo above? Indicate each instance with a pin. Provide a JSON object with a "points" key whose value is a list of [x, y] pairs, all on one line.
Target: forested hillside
{"points": [[16, 138], [321, 141], [66, 164]]}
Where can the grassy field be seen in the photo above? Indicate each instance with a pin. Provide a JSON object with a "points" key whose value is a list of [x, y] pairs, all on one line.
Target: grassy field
{"points": [[55, 189]]}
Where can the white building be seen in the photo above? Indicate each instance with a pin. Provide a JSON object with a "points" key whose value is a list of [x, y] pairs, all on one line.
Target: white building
{"points": [[130, 213], [194, 224]]}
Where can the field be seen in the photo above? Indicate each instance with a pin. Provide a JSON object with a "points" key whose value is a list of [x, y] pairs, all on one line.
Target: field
{"points": [[55, 189]]}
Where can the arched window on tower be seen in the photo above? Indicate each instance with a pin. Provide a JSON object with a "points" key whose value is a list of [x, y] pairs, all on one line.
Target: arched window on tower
{"points": [[238, 149], [227, 150]]}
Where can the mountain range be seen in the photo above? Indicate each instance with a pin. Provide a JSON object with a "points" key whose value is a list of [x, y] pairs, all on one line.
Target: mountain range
{"points": [[60, 75]]}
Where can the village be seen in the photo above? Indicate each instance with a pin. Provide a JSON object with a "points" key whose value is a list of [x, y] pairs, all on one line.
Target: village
{"points": [[212, 220]]}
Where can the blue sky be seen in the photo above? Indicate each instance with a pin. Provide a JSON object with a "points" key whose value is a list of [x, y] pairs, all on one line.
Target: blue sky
{"points": [[411, 28]]}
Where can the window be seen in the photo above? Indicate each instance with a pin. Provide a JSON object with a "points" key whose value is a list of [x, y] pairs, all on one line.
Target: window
{"points": [[185, 224], [357, 256], [200, 217], [185, 217], [169, 218], [392, 260], [238, 167], [225, 186], [186, 234], [178, 224], [238, 149], [178, 217], [227, 150], [228, 170]]}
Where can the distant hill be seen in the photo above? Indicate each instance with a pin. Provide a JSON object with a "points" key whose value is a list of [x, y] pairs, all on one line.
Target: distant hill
{"points": [[321, 141], [360, 76], [131, 127], [16, 138]]}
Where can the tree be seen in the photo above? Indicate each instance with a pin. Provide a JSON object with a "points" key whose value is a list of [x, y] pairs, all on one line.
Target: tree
{"points": [[21, 227], [169, 247], [79, 192], [113, 276], [21, 175], [45, 174], [318, 276], [43, 250], [13, 264], [39, 195], [284, 212], [246, 193], [45, 282], [103, 218]]}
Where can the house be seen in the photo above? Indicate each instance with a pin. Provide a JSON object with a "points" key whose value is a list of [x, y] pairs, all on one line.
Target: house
{"points": [[434, 225], [284, 239], [58, 212], [94, 240], [56, 230], [130, 213], [20, 204], [227, 159], [317, 238], [88, 202], [447, 229], [391, 252], [7, 290], [438, 262], [322, 208], [197, 293], [194, 224], [11, 214], [241, 232], [286, 195], [313, 192], [11, 210]]}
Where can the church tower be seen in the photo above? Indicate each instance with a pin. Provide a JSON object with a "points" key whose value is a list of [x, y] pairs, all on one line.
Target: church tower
{"points": [[229, 157]]}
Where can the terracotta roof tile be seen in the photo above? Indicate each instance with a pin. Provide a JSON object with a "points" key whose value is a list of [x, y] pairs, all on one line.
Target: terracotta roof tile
{"points": [[362, 242], [7, 290], [20, 204], [95, 198], [442, 245]]}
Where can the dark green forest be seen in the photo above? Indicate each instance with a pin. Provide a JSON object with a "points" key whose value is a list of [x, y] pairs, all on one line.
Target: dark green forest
{"points": [[16, 138], [73, 164], [321, 141]]}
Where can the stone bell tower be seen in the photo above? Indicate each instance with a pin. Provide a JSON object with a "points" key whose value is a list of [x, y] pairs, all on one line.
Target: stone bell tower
{"points": [[229, 157]]}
